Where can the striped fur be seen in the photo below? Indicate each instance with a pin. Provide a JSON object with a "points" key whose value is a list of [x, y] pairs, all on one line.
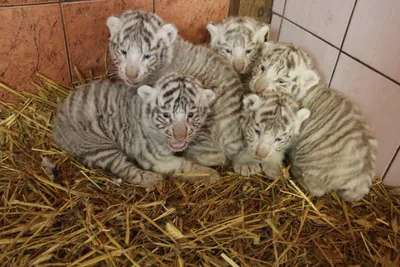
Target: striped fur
{"points": [[133, 133], [336, 150], [283, 67], [153, 49], [270, 124], [240, 40]]}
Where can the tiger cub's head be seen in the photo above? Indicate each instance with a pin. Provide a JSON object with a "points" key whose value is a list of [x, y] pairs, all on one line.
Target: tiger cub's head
{"points": [[140, 43], [239, 39], [176, 107], [270, 122], [283, 67]]}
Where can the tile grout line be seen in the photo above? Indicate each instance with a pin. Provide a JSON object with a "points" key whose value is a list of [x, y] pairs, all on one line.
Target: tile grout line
{"points": [[33, 4], [154, 6], [371, 68], [313, 34], [65, 42], [341, 46], [46, 3], [390, 163], [347, 54], [280, 26]]}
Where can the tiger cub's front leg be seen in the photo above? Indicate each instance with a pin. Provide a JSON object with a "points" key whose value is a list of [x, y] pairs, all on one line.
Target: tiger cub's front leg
{"points": [[186, 170], [244, 164], [206, 157], [272, 166]]}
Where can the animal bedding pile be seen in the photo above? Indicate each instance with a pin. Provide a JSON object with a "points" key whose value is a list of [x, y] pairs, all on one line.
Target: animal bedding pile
{"points": [[79, 217]]}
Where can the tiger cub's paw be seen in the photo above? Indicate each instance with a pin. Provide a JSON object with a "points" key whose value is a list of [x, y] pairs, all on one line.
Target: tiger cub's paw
{"points": [[246, 169], [201, 174], [150, 179]]}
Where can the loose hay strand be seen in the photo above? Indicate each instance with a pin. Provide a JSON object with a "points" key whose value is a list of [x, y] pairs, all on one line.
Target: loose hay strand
{"points": [[84, 218]]}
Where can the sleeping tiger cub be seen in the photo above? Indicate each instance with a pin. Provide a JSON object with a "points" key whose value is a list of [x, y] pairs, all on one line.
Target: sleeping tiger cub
{"points": [[133, 133]]}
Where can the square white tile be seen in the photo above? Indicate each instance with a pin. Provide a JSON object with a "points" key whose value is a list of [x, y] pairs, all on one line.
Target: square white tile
{"points": [[323, 54], [379, 99], [327, 19], [374, 37], [275, 26], [393, 175], [278, 6]]}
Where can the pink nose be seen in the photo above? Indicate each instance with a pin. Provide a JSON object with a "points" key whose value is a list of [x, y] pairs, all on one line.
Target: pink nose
{"points": [[132, 73], [261, 153], [238, 65], [179, 131], [260, 86]]}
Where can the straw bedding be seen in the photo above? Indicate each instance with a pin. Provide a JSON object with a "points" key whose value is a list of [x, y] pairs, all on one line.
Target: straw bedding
{"points": [[81, 217]]}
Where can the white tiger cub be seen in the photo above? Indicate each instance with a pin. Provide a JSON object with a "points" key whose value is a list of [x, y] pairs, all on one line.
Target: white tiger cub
{"points": [[239, 39], [133, 133], [144, 48], [283, 67], [270, 124], [336, 149]]}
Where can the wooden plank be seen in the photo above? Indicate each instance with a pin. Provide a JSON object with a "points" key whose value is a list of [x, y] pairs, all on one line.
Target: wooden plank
{"points": [[258, 9], [234, 7]]}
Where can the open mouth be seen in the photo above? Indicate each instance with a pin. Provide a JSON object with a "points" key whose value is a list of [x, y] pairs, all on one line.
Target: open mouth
{"points": [[177, 145], [132, 82]]}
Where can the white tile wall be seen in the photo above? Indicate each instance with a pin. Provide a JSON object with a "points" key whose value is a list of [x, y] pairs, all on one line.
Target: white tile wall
{"points": [[323, 54], [327, 19], [374, 35], [373, 39], [378, 98], [274, 29], [278, 6], [393, 175]]}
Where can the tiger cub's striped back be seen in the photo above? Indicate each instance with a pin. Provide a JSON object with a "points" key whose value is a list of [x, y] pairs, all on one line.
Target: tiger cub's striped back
{"points": [[336, 150], [239, 39], [133, 133], [328, 144]]}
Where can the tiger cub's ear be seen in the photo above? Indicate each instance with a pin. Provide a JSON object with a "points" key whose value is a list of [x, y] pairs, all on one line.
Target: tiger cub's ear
{"points": [[208, 96], [114, 25], [214, 33], [307, 79], [147, 93], [251, 102], [301, 116], [267, 47], [259, 36], [168, 32]]}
